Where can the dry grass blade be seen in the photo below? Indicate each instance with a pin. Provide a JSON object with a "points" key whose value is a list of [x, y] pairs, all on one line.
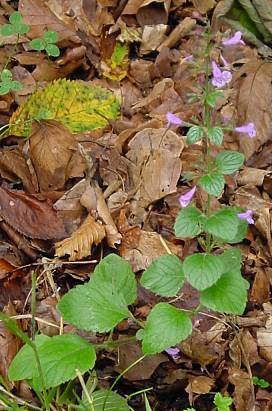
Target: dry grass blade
{"points": [[80, 243]]}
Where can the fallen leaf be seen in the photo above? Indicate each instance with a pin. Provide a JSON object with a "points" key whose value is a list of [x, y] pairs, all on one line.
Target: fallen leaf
{"points": [[50, 150], [33, 218], [203, 6], [242, 395], [112, 234], [79, 245], [253, 103], [199, 385], [128, 353], [38, 16], [13, 166]]}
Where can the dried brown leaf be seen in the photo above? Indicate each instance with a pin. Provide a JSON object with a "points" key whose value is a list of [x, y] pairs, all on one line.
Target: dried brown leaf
{"points": [[13, 165], [199, 385], [254, 103], [33, 218], [80, 243], [50, 152], [112, 234]]}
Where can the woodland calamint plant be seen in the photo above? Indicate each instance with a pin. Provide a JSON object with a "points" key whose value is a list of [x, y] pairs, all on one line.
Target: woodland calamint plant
{"points": [[104, 301]]}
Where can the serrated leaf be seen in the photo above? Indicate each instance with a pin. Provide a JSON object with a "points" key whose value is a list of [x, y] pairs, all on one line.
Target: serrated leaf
{"points": [[165, 326], [241, 228], [15, 18], [164, 276], [103, 302], [212, 183], [189, 222], [79, 245], [7, 30], [229, 161], [216, 135], [60, 356], [202, 270], [76, 106], [37, 44], [52, 50], [105, 400], [195, 133], [222, 224], [51, 36], [228, 295]]}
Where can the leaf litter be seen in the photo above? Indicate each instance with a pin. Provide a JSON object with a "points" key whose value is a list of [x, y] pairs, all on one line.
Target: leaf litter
{"points": [[70, 194]]}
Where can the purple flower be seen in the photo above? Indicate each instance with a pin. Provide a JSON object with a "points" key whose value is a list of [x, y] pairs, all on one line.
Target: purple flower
{"points": [[249, 129], [189, 58], [173, 120], [247, 215], [236, 39], [220, 78], [173, 352], [225, 62], [185, 199]]}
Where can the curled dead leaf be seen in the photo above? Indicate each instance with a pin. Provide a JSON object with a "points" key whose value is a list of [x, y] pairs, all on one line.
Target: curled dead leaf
{"points": [[80, 243]]}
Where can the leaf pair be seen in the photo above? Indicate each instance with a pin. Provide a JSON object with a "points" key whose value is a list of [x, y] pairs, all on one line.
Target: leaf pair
{"points": [[47, 43], [226, 163], [15, 25], [224, 224], [7, 84]]}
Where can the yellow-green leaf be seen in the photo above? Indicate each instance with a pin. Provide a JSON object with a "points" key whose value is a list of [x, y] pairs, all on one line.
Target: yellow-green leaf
{"points": [[77, 106]]}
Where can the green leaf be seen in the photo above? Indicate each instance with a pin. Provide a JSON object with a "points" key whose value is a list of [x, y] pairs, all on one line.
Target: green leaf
{"points": [[147, 405], [212, 98], [37, 44], [4, 88], [232, 260], [50, 36], [7, 30], [212, 183], [241, 228], [189, 222], [15, 18], [52, 50], [164, 276], [6, 76], [78, 107], [229, 161], [216, 135], [165, 326], [22, 28], [23, 365], [16, 85], [228, 295], [221, 402], [101, 303], [105, 400], [60, 356], [223, 224], [203, 270], [195, 133], [260, 382]]}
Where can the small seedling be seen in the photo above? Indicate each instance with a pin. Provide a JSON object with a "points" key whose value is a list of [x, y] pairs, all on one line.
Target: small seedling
{"points": [[15, 25], [260, 382], [222, 402], [7, 84], [47, 43]]}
